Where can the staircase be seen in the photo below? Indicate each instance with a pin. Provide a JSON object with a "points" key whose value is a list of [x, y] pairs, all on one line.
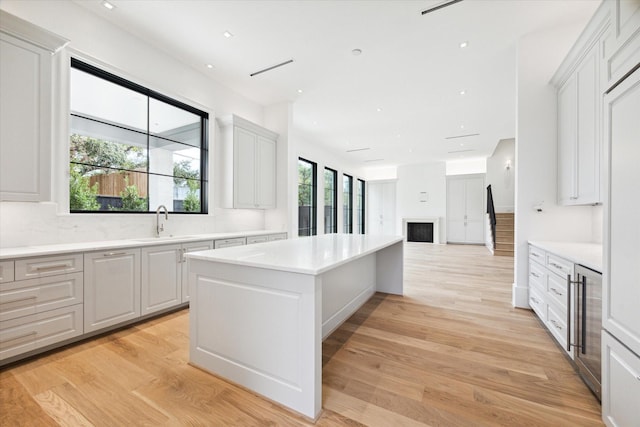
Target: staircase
{"points": [[504, 234]]}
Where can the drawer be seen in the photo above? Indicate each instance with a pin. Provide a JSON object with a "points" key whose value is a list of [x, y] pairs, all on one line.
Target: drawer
{"points": [[557, 324], [257, 239], [537, 276], [227, 243], [6, 271], [560, 266], [537, 255], [28, 333], [30, 268], [33, 296], [279, 236], [557, 290], [536, 302]]}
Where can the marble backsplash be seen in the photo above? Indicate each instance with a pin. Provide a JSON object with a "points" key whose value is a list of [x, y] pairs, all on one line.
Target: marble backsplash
{"points": [[29, 224]]}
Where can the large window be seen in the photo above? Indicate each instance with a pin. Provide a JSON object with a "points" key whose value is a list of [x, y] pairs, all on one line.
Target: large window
{"points": [[307, 184], [330, 201], [347, 203], [132, 149], [360, 207]]}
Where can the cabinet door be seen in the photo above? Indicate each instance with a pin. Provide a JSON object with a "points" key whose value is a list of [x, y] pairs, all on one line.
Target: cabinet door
{"points": [[620, 384], [191, 247], [161, 278], [567, 142], [456, 211], [465, 210], [475, 209], [25, 120], [244, 170], [112, 288], [621, 280], [588, 148], [266, 173]]}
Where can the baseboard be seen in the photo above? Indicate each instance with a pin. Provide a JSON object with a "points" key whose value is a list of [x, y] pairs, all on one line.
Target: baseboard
{"points": [[520, 296]]}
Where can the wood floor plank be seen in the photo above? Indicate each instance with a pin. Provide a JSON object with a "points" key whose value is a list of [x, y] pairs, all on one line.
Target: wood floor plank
{"points": [[451, 352]]}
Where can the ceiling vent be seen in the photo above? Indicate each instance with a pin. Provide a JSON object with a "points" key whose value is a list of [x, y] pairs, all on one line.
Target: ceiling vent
{"points": [[440, 6], [462, 136], [459, 151], [271, 68], [358, 149]]}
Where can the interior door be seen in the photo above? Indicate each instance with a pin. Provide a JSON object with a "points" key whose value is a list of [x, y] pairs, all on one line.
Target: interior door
{"points": [[465, 209], [381, 208]]}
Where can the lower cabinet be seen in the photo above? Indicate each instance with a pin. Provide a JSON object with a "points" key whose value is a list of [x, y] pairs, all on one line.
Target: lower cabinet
{"points": [[191, 247], [620, 384], [112, 288], [24, 334], [227, 243], [165, 277]]}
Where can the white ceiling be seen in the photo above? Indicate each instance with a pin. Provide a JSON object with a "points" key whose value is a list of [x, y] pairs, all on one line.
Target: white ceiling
{"points": [[411, 66]]}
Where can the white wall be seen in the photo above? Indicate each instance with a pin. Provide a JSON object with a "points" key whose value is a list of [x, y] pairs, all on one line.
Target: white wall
{"points": [[96, 40], [538, 56], [501, 179], [466, 166], [414, 179]]}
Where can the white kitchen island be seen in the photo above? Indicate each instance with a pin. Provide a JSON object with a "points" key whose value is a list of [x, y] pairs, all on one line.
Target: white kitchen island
{"points": [[259, 313]]}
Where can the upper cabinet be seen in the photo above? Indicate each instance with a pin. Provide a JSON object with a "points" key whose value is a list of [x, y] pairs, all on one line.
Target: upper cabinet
{"points": [[580, 86], [27, 53], [248, 163], [623, 47]]}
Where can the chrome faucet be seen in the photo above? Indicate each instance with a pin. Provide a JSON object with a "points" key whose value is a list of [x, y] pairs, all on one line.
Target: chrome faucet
{"points": [[160, 226]]}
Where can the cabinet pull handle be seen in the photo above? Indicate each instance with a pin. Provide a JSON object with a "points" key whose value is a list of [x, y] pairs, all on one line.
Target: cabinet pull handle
{"points": [[28, 334], [555, 291], [559, 267], [573, 198], [535, 255], [114, 253], [535, 274], [18, 299], [48, 267], [555, 324], [535, 300]]}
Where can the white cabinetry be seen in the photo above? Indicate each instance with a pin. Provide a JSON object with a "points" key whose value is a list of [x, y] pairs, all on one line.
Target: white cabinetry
{"points": [[25, 109], [248, 161], [548, 293], [40, 303], [112, 288], [621, 296], [580, 85], [623, 53], [227, 243], [165, 277], [620, 384]]}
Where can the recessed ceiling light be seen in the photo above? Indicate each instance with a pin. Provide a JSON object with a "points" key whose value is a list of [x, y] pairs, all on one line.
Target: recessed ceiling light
{"points": [[227, 34], [356, 52], [209, 66], [300, 90], [411, 150], [398, 136], [463, 92], [378, 109], [461, 126], [315, 123], [464, 44], [108, 5]]}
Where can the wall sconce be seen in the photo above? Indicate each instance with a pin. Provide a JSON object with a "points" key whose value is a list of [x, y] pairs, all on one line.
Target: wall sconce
{"points": [[507, 165]]}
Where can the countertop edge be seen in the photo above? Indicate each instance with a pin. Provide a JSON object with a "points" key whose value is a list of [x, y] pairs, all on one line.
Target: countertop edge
{"points": [[66, 248], [588, 254]]}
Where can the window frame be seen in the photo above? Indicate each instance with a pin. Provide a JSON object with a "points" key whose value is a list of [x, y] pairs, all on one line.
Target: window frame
{"points": [[334, 190], [313, 223], [360, 208], [347, 226], [80, 65]]}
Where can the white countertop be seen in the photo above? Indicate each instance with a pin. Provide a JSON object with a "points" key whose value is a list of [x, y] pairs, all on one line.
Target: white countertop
{"points": [[586, 254], [308, 255], [58, 249]]}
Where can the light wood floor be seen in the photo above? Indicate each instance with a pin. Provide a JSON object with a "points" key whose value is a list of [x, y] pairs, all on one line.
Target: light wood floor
{"points": [[451, 352]]}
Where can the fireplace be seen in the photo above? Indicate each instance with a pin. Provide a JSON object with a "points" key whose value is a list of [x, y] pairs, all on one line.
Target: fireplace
{"points": [[421, 229], [420, 232]]}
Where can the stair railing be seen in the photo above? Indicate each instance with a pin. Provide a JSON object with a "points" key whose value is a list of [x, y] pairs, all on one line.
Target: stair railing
{"points": [[492, 215]]}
